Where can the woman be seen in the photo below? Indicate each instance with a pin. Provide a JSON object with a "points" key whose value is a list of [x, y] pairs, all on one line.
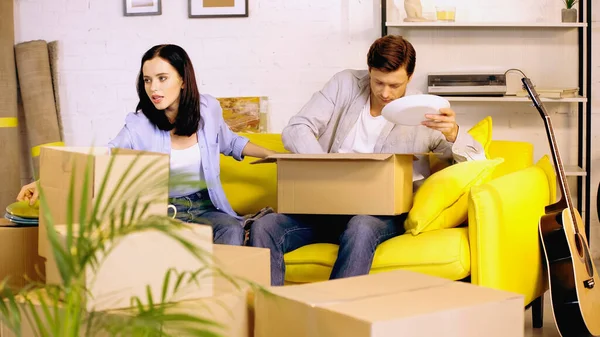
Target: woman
{"points": [[173, 117]]}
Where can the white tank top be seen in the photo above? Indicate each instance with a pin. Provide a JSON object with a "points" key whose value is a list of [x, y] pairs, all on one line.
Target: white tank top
{"points": [[188, 162], [365, 132]]}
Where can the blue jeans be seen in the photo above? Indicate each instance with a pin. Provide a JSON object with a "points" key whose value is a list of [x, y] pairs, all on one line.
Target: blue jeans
{"points": [[197, 208], [357, 236]]}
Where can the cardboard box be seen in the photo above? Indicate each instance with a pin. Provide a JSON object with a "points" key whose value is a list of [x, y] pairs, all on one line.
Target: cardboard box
{"points": [[339, 183], [248, 263], [19, 259], [144, 173], [227, 307], [389, 304], [140, 260], [230, 304]]}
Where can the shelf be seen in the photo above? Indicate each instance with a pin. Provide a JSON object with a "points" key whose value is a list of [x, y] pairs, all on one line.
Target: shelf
{"points": [[487, 24], [513, 99], [573, 170]]}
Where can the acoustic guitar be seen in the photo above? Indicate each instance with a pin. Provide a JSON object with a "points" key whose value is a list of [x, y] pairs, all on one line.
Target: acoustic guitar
{"points": [[571, 272]]}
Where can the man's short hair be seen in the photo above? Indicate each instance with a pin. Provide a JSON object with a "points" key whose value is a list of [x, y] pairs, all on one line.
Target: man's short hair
{"points": [[390, 53]]}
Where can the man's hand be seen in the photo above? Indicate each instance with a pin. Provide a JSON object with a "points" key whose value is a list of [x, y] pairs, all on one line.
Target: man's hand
{"points": [[445, 123], [29, 192]]}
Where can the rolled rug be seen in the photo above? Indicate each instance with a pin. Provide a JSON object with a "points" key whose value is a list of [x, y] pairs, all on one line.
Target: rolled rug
{"points": [[35, 82], [53, 54], [10, 169]]}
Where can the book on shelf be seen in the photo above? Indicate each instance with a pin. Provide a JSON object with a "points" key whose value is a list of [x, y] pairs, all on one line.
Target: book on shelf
{"points": [[551, 92]]}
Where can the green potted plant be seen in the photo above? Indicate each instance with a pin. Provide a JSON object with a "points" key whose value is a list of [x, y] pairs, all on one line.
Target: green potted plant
{"points": [[51, 310], [569, 13]]}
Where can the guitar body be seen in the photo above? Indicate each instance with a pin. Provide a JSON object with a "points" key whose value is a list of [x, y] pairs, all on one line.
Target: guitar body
{"points": [[571, 272], [575, 306]]}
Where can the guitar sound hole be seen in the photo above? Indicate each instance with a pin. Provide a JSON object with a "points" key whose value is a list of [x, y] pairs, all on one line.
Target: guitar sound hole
{"points": [[584, 254], [579, 245]]}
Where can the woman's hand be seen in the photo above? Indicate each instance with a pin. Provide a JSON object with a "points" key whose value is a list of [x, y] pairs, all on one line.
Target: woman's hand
{"points": [[253, 150], [29, 192]]}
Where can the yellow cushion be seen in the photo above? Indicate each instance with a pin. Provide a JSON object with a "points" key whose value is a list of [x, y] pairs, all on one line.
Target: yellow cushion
{"points": [[249, 187], [450, 258], [441, 202], [482, 132], [517, 156]]}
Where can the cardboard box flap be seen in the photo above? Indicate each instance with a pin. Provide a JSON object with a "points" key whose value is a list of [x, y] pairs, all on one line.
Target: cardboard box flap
{"points": [[94, 151], [425, 300], [102, 150], [342, 291], [325, 156], [339, 156]]}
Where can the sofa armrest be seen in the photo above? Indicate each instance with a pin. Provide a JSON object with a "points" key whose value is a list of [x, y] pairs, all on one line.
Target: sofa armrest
{"points": [[503, 217]]}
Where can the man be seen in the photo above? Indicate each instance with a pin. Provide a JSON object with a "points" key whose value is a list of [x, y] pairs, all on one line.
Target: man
{"points": [[345, 116]]}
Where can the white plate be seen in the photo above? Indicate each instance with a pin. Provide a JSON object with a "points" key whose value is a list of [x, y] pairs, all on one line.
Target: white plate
{"points": [[411, 109]]}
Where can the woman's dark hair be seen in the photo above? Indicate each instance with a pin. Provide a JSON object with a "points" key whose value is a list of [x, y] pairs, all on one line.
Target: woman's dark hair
{"points": [[188, 115], [390, 53]]}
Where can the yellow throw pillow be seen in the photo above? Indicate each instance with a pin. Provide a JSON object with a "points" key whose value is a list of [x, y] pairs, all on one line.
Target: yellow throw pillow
{"points": [[482, 132], [441, 202]]}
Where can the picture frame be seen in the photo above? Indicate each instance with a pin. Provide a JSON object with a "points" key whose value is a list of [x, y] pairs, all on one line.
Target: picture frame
{"points": [[142, 7], [217, 8]]}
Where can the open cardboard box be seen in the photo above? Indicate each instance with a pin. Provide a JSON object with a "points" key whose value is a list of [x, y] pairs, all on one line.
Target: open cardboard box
{"points": [[344, 183], [389, 304]]}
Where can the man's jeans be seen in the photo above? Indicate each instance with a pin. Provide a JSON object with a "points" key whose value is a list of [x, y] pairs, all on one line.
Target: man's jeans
{"points": [[197, 208], [357, 236]]}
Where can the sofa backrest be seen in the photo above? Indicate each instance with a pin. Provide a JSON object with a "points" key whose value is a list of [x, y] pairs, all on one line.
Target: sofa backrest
{"points": [[517, 156], [250, 187]]}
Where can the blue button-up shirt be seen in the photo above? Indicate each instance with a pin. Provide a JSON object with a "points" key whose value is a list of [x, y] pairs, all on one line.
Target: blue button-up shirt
{"points": [[214, 138]]}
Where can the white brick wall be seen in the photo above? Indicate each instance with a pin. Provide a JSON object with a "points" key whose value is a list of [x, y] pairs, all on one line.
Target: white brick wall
{"points": [[286, 50]]}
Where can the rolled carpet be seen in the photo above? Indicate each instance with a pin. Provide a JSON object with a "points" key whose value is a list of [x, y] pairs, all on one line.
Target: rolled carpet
{"points": [[10, 169], [53, 54], [35, 82]]}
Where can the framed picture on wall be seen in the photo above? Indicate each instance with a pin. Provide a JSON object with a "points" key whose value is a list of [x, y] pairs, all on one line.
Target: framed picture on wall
{"points": [[217, 8], [141, 7]]}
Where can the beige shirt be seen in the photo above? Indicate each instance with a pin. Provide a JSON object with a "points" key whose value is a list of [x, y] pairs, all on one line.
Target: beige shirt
{"points": [[324, 122]]}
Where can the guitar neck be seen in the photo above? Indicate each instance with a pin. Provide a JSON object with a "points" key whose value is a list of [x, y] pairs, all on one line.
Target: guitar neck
{"points": [[562, 178], [565, 200]]}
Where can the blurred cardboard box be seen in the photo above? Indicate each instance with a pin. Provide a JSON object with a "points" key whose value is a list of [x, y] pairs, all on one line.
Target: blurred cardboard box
{"points": [[19, 259], [249, 263], [230, 304], [140, 260], [132, 174], [389, 304], [226, 307]]}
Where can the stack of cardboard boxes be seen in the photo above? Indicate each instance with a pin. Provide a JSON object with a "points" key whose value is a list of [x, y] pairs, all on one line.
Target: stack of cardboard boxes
{"points": [[141, 260], [386, 304]]}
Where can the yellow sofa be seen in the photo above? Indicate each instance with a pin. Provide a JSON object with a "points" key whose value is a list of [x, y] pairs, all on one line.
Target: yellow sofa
{"points": [[499, 248]]}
